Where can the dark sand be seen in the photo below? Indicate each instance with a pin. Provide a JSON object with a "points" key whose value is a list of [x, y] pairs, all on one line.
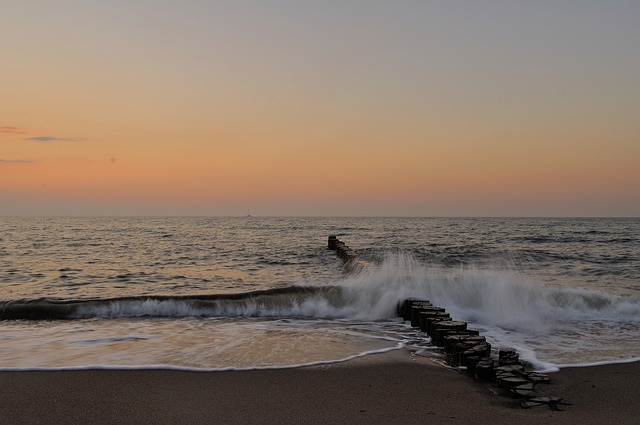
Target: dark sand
{"points": [[392, 388]]}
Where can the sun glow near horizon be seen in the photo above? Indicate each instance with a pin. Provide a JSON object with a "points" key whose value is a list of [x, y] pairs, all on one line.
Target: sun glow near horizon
{"points": [[343, 108]]}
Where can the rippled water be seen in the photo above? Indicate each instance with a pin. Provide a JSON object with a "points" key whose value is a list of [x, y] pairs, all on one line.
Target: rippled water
{"points": [[563, 291]]}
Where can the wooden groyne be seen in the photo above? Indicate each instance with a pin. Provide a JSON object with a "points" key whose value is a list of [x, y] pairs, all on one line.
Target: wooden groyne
{"points": [[342, 250], [467, 348], [352, 261]]}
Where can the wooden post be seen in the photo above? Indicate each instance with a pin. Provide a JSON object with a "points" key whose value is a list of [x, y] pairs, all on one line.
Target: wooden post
{"points": [[347, 254], [466, 347], [432, 321], [484, 370], [441, 329], [508, 356], [472, 361], [404, 308], [416, 308], [427, 314]]}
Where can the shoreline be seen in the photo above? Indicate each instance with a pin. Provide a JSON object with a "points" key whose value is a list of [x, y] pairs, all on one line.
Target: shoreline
{"points": [[393, 387]]}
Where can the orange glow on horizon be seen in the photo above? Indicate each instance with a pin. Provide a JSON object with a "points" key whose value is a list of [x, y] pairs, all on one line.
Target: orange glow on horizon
{"points": [[229, 110]]}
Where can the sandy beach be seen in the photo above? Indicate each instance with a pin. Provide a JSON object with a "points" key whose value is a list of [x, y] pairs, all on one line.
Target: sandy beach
{"points": [[391, 388]]}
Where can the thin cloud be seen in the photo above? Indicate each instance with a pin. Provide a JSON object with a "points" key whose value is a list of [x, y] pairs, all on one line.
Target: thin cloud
{"points": [[11, 130], [49, 139], [16, 161]]}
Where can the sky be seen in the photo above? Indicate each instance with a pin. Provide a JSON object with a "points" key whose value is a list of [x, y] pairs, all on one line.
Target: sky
{"points": [[320, 108]]}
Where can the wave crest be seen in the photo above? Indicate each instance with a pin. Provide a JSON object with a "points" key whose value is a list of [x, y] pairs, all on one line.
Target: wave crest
{"points": [[492, 297]]}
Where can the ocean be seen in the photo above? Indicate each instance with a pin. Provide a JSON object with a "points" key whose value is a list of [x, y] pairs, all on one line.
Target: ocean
{"points": [[216, 293]]}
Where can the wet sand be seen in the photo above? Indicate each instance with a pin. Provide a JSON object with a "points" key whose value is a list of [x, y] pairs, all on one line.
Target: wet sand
{"points": [[391, 388]]}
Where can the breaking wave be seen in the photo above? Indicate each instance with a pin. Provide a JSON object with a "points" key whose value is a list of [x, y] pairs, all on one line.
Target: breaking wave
{"points": [[489, 297]]}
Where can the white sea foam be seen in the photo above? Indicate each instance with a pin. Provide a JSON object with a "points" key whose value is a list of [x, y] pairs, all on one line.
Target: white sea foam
{"points": [[187, 344], [161, 366], [549, 325], [546, 323]]}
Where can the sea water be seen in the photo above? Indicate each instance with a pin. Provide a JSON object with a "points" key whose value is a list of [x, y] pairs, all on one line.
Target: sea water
{"points": [[240, 293]]}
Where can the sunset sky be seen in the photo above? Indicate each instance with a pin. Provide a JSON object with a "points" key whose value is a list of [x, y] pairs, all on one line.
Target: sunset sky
{"points": [[407, 108]]}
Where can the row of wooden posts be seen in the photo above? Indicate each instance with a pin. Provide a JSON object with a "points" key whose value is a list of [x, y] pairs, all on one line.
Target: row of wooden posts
{"points": [[342, 250], [465, 347], [462, 345]]}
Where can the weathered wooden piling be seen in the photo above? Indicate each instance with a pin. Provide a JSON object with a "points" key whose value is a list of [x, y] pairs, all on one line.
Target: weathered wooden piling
{"points": [[509, 381], [442, 328], [425, 315], [472, 361], [416, 309], [508, 357], [456, 339], [552, 402], [523, 390], [433, 321], [484, 370], [482, 349], [347, 254], [404, 308]]}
